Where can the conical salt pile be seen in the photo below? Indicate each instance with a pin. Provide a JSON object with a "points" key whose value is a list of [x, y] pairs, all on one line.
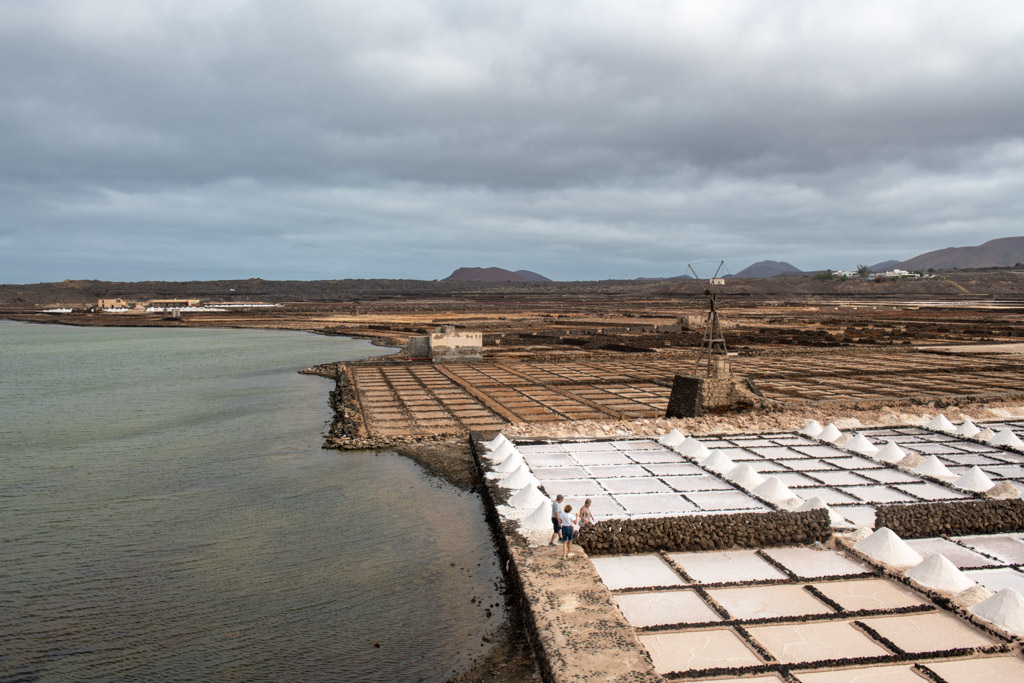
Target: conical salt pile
{"points": [[688, 445], [527, 497], [773, 490], [1005, 608], [974, 480], [510, 463], [941, 424], [673, 438], [984, 435], [1005, 437], [933, 467], [830, 433], [540, 518], [718, 462], [811, 429], [939, 573], [861, 444], [518, 478], [816, 503], [890, 453], [889, 549], [501, 452], [745, 476], [495, 442], [968, 429]]}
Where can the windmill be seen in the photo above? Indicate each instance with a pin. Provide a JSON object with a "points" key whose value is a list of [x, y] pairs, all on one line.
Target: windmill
{"points": [[713, 346]]}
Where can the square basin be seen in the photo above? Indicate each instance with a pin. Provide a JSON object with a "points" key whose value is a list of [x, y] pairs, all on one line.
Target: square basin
{"points": [[664, 607], [760, 602], [791, 643], [703, 649], [928, 632], [858, 594], [635, 571], [726, 566], [809, 563]]}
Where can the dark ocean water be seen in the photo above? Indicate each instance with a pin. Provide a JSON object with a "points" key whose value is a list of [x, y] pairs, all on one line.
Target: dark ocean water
{"points": [[167, 513]]}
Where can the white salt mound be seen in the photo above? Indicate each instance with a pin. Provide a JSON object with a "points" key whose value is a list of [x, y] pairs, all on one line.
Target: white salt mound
{"points": [[940, 574], [495, 442], [890, 453], [1005, 437], [773, 490], [1005, 608], [889, 549], [518, 478], [816, 503], [745, 476], [673, 438], [501, 452], [527, 497], [718, 462], [968, 429], [540, 518], [933, 467], [861, 444], [984, 434], [689, 445], [513, 461], [941, 424], [830, 434], [974, 480], [811, 429]]}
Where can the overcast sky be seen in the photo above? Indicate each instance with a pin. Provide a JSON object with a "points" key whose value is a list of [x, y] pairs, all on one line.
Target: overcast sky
{"points": [[589, 139]]}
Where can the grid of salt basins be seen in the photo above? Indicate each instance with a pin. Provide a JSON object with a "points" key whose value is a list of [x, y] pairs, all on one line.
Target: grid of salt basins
{"points": [[812, 615]]}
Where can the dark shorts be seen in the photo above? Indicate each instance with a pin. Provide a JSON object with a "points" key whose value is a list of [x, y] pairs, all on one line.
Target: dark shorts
{"points": [[566, 533], [555, 524]]}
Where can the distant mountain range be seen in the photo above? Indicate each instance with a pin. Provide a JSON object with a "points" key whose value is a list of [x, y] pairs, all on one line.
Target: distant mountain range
{"points": [[767, 269], [494, 275], [1003, 252]]}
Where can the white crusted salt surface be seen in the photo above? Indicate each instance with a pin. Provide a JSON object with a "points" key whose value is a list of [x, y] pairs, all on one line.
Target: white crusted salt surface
{"points": [[665, 607], [726, 566], [511, 463], [933, 467], [673, 438], [1005, 609], [940, 574], [773, 490], [810, 563], [1006, 437], [861, 444], [635, 571], [527, 497], [812, 429], [889, 549], [941, 424], [968, 429], [718, 462], [830, 434], [974, 480], [745, 476], [890, 453]]}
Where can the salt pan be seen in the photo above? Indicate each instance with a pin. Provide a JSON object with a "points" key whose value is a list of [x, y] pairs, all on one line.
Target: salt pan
{"points": [[812, 429], [889, 549], [540, 518], [1005, 608], [773, 490], [974, 480], [890, 452], [1005, 437], [745, 476], [673, 438], [830, 433], [939, 573], [941, 424], [861, 444], [519, 478], [933, 467], [967, 429], [527, 497], [512, 462], [718, 462]]}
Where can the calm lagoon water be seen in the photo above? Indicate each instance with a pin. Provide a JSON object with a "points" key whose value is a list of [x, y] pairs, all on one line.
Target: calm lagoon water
{"points": [[167, 513]]}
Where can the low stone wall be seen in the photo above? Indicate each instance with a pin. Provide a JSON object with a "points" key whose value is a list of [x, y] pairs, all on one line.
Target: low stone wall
{"points": [[957, 518], [713, 532]]}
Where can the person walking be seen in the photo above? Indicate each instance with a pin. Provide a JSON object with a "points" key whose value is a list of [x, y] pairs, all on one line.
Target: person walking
{"points": [[556, 507], [567, 522]]}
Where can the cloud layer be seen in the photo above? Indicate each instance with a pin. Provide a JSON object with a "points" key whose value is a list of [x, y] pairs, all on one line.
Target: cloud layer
{"points": [[583, 140]]}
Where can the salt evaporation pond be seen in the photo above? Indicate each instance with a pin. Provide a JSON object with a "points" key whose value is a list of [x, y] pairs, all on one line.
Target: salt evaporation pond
{"points": [[167, 513]]}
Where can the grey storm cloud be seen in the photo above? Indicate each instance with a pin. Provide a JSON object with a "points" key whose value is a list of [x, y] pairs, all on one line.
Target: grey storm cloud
{"points": [[233, 138]]}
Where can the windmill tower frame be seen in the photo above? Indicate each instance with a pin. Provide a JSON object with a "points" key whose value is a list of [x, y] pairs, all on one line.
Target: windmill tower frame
{"points": [[713, 343]]}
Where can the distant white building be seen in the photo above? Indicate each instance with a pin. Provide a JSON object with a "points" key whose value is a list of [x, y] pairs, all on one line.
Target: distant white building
{"points": [[845, 273]]}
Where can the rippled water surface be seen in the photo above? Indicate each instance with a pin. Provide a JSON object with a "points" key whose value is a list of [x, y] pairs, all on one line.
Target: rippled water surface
{"points": [[167, 513]]}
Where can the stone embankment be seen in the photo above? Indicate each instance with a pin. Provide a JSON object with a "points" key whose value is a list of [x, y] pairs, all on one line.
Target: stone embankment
{"points": [[957, 518]]}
